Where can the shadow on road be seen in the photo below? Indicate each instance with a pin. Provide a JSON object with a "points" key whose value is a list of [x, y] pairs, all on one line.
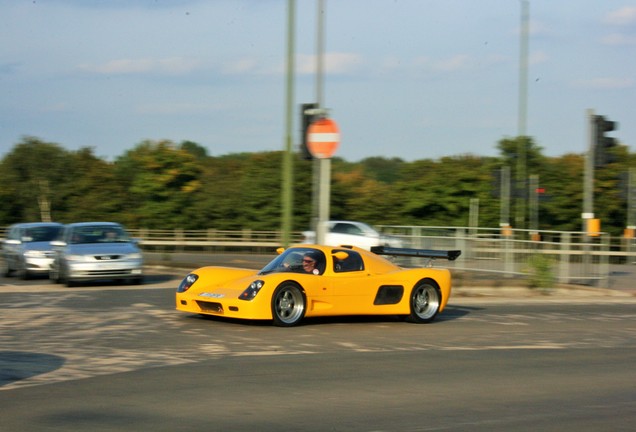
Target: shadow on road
{"points": [[449, 314], [19, 365]]}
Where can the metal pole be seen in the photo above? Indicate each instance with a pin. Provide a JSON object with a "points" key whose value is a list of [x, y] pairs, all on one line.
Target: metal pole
{"points": [[320, 50], [323, 165], [523, 114], [631, 209], [504, 211], [473, 216], [631, 199], [588, 192], [534, 205], [588, 178], [287, 191], [523, 68]]}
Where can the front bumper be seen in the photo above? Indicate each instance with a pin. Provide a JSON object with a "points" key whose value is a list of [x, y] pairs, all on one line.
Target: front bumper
{"points": [[225, 307], [38, 265], [108, 270]]}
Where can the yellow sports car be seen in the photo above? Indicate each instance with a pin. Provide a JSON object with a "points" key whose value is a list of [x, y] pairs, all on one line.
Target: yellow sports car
{"points": [[311, 281]]}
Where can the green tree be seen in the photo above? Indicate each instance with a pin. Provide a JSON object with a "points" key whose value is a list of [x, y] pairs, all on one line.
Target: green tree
{"points": [[33, 178], [561, 205], [439, 193], [95, 192], [358, 197], [161, 180], [382, 169]]}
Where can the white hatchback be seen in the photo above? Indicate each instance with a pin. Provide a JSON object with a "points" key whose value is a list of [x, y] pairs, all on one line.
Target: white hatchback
{"points": [[353, 233]]}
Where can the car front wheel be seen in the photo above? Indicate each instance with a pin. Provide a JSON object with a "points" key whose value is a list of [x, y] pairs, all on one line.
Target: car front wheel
{"points": [[288, 305], [425, 302]]}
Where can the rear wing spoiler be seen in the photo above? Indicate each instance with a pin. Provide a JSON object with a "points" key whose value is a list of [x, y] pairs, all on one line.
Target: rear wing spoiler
{"points": [[450, 255]]}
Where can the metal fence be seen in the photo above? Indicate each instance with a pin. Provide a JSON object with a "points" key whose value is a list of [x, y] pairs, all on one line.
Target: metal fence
{"points": [[564, 256]]}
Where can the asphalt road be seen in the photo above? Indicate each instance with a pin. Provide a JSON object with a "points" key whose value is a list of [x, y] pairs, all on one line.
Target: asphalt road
{"points": [[112, 358]]}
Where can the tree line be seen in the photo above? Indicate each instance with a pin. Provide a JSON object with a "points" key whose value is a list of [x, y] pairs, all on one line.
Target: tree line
{"points": [[164, 185]]}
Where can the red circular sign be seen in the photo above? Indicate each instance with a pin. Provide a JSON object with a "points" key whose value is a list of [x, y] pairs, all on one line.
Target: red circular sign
{"points": [[323, 138]]}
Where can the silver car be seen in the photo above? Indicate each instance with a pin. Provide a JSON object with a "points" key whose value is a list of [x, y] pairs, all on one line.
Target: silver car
{"points": [[90, 251], [27, 249]]}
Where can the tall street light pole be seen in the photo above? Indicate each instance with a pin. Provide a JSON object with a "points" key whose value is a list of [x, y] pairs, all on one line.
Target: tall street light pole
{"points": [[287, 196], [322, 166], [523, 114]]}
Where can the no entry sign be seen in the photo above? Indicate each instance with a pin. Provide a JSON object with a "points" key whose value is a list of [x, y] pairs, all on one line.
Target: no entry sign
{"points": [[323, 138]]}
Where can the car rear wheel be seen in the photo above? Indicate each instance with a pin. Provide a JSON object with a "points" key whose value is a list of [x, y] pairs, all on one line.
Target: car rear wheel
{"points": [[425, 302], [288, 305]]}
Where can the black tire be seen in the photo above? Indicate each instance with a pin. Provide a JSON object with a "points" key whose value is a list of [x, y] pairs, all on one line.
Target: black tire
{"points": [[288, 305], [424, 303]]}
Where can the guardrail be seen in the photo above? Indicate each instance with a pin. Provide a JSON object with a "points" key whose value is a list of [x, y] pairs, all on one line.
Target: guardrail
{"points": [[561, 256], [180, 239]]}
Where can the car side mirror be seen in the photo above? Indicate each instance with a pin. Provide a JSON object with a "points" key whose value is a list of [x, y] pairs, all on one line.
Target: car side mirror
{"points": [[341, 255]]}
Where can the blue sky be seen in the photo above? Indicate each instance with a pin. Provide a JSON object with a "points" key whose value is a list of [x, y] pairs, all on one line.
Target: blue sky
{"points": [[413, 79]]}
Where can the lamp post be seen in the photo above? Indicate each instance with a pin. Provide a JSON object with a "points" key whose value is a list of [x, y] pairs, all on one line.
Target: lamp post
{"points": [[287, 190]]}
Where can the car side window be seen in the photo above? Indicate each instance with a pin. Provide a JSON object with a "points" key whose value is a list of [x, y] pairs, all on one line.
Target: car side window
{"points": [[339, 228], [346, 228], [350, 264]]}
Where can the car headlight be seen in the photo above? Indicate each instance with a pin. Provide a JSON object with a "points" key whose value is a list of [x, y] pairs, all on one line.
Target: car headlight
{"points": [[135, 255], [187, 282], [251, 291]]}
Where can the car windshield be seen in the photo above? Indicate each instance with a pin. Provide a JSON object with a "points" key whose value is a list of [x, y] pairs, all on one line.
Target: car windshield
{"points": [[98, 234], [297, 260], [41, 233]]}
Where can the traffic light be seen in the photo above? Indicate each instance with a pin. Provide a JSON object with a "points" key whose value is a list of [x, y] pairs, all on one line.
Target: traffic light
{"points": [[305, 121], [603, 143]]}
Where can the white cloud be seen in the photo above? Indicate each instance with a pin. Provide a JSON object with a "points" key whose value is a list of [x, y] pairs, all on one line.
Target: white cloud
{"points": [[176, 108], [449, 64], [537, 57], [171, 66], [621, 17], [536, 28], [333, 63], [605, 83], [241, 66], [454, 63], [342, 63], [618, 39]]}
